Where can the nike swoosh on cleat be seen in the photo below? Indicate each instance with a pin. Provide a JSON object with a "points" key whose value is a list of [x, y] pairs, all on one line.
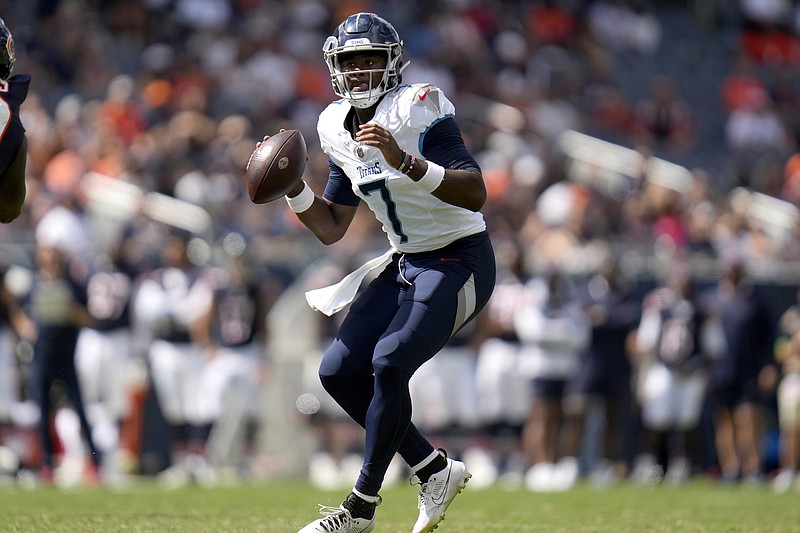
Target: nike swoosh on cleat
{"points": [[446, 484], [423, 95]]}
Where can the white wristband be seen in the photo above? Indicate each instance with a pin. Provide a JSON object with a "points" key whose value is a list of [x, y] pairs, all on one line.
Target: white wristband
{"points": [[302, 201], [433, 177]]}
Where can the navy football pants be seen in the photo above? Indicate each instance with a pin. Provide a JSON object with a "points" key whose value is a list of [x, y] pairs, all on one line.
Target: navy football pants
{"points": [[400, 321]]}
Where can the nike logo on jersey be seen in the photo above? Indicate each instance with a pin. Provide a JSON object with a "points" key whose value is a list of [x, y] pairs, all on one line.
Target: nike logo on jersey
{"points": [[425, 94]]}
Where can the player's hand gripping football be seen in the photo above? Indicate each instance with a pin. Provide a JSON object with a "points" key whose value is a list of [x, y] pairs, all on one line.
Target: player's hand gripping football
{"points": [[294, 191]]}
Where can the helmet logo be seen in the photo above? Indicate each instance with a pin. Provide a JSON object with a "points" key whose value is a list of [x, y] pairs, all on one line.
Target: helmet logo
{"points": [[10, 47], [353, 43]]}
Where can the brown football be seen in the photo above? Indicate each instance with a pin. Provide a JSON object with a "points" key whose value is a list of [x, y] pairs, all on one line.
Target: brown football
{"points": [[275, 166]]}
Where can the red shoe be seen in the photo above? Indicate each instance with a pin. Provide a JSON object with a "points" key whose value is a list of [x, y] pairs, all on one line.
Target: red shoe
{"points": [[91, 476], [46, 475]]}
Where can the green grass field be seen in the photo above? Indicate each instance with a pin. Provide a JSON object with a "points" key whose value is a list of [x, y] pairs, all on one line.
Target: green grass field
{"points": [[286, 507]]}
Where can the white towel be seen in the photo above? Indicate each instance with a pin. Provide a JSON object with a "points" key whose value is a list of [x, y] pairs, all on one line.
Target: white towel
{"points": [[331, 299]]}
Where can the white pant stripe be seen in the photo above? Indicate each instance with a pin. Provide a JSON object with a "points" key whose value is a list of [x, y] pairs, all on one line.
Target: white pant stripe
{"points": [[466, 304]]}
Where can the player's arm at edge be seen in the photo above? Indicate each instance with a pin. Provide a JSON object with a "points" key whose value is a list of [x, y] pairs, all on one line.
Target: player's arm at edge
{"points": [[12, 185]]}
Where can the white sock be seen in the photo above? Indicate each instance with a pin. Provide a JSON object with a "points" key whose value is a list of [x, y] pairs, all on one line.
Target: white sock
{"points": [[369, 499], [425, 462]]}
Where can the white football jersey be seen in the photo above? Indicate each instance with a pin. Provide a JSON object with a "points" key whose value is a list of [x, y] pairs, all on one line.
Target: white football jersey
{"points": [[414, 220]]}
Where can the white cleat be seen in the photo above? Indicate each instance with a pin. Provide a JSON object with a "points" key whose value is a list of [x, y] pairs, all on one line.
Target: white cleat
{"points": [[436, 495], [338, 520]]}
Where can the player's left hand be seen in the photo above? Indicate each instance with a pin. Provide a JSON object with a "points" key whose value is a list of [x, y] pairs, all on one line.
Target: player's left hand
{"points": [[376, 135]]}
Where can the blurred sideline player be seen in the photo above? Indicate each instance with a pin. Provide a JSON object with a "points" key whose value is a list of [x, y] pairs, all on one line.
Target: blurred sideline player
{"points": [[398, 148], [104, 354], [503, 393], [674, 378], [236, 362], [554, 330], [13, 143], [51, 317], [18, 415], [743, 376], [172, 302], [787, 354], [604, 379]]}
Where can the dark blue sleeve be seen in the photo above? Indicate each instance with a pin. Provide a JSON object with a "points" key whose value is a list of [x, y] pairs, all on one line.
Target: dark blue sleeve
{"points": [[339, 189], [442, 144], [12, 93]]}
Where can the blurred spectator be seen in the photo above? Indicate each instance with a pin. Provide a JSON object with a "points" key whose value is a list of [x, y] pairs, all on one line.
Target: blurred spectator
{"points": [[756, 129], [553, 113], [767, 33], [550, 22], [624, 25], [700, 210], [742, 87], [790, 191], [665, 120]]}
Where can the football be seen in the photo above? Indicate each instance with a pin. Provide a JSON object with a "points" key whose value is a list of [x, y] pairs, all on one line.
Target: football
{"points": [[275, 166]]}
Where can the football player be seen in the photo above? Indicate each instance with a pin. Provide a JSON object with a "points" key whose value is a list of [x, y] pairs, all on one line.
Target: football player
{"points": [[673, 367], [398, 148], [236, 360], [13, 143], [104, 353], [170, 304], [51, 317]]}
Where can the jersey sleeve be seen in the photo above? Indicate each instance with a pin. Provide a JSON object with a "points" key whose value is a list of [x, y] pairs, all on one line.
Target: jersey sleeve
{"points": [[338, 189], [443, 144], [432, 115]]}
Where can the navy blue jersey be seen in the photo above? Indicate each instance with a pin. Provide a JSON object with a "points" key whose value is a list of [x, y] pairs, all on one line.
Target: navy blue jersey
{"points": [[606, 368], [109, 298], [12, 93], [749, 338], [679, 345], [235, 316]]}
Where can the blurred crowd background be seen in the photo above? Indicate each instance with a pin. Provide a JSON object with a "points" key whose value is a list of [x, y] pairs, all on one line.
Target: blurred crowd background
{"points": [[639, 155]]}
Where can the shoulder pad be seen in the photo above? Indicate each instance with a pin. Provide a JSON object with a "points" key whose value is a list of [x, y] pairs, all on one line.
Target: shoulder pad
{"points": [[428, 105]]}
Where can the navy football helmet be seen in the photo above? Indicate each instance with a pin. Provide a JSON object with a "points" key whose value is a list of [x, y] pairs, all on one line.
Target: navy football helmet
{"points": [[7, 53], [364, 32]]}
